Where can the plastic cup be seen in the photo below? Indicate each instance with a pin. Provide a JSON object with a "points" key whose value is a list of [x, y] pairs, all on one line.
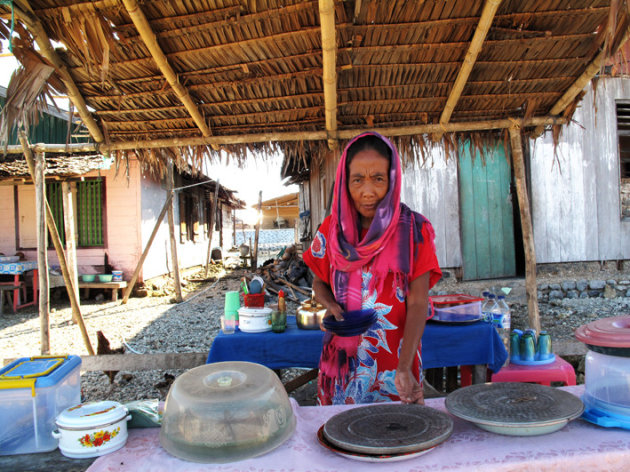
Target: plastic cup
{"points": [[232, 302], [228, 325]]}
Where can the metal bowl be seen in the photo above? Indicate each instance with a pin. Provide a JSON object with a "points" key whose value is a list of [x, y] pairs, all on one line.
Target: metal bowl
{"points": [[309, 315]]}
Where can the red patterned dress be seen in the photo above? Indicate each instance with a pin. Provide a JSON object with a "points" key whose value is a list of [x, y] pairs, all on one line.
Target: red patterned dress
{"points": [[363, 367]]}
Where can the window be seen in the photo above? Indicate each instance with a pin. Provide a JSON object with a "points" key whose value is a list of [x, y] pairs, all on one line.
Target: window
{"points": [[191, 219], [623, 133], [54, 196], [88, 201], [90, 213]]}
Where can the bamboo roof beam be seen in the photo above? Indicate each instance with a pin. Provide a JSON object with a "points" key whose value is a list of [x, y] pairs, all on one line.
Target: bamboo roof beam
{"points": [[147, 35], [487, 15], [291, 136], [24, 12], [593, 68]]}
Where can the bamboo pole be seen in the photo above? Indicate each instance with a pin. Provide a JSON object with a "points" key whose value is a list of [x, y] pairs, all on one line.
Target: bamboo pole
{"points": [[50, 221], [211, 229], [71, 246], [148, 36], [579, 84], [42, 253], [170, 184], [255, 252], [290, 136], [136, 272], [46, 49], [526, 225], [487, 15], [582, 81], [329, 76]]}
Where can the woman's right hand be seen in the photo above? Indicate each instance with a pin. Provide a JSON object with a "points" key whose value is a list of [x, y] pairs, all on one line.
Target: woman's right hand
{"points": [[324, 295]]}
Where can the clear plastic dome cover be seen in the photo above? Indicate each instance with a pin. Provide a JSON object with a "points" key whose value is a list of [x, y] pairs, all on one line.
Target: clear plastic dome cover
{"points": [[226, 412]]}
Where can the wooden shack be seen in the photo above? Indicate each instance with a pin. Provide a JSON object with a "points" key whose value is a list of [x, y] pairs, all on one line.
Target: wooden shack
{"points": [[302, 77]]}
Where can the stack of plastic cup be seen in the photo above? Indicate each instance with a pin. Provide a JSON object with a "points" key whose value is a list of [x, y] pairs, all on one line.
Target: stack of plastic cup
{"points": [[229, 320]]}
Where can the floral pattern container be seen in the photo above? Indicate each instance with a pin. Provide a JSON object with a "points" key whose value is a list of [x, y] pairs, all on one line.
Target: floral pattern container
{"points": [[92, 429]]}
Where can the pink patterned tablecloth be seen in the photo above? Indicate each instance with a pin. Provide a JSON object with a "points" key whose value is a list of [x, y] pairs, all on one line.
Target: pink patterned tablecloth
{"points": [[579, 446]]}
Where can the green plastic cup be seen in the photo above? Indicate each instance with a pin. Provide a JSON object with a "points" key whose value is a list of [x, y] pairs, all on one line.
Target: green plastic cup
{"points": [[232, 302]]}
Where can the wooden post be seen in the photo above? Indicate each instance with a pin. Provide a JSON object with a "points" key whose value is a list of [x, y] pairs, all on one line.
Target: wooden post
{"points": [[42, 251], [213, 212], [50, 221], [255, 253], [234, 227], [134, 277], [171, 231], [526, 225], [71, 245]]}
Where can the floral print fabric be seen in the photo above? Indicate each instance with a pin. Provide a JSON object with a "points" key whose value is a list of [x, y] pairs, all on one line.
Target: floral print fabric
{"points": [[361, 369]]}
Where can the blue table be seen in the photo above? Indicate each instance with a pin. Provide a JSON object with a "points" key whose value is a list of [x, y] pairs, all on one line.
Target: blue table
{"points": [[443, 345]]}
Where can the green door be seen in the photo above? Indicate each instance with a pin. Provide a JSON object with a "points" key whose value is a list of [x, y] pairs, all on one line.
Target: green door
{"points": [[486, 213]]}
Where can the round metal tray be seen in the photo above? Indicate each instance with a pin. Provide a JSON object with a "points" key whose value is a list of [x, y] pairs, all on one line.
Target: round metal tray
{"points": [[388, 428], [514, 408]]}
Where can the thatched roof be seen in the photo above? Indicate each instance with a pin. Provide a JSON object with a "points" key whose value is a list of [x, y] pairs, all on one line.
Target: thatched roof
{"points": [[291, 74]]}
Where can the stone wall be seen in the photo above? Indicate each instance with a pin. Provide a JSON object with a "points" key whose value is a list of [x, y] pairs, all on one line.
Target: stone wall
{"points": [[583, 288]]}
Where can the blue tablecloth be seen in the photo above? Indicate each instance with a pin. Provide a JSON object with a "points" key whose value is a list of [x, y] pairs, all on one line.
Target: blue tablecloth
{"points": [[443, 345]]}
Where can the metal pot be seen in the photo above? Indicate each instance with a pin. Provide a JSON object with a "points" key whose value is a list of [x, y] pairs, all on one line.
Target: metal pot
{"points": [[309, 315], [92, 429]]}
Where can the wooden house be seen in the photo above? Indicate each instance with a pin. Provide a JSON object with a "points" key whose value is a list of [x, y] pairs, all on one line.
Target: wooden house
{"points": [[115, 209], [280, 212], [303, 77]]}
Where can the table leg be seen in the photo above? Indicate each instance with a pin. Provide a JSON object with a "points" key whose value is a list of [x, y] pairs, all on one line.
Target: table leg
{"points": [[114, 294], [16, 292]]}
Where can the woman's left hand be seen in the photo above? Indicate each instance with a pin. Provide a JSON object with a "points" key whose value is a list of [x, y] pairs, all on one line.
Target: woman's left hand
{"points": [[409, 390]]}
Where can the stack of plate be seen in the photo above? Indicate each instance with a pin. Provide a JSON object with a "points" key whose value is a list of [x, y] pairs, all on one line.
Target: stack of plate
{"points": [[354, 322], [515, 408], [385, 432]]}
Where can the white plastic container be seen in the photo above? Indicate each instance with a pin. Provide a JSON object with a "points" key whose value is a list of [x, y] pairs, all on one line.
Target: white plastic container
{"points": [[92, 429], [33, 391], [254, 320]]}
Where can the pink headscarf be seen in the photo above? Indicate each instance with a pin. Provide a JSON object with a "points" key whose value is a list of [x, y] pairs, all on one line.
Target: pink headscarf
{"points": [[388, 245]]}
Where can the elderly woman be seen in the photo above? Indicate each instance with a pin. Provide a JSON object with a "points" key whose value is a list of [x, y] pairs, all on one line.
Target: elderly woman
{"points": [[373, 252]]}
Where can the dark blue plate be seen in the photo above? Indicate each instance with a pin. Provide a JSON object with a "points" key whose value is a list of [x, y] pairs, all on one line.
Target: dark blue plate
{"points": [[355, 322]]}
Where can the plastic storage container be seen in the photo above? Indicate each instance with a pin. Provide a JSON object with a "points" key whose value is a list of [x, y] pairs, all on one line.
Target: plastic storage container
{"points": [[456, 308], [607, 371], [33, 391], [226, 412]]}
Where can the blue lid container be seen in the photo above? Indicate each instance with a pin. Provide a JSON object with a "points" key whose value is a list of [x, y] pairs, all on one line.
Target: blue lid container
{"points": [[46, 370], [33, 391]]}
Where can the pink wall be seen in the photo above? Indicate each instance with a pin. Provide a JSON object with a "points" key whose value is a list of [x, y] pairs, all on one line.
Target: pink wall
{"points": [[7, 220]]}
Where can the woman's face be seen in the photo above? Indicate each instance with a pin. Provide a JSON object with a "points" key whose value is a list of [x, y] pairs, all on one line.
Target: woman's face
{"points": [[368, 182]]}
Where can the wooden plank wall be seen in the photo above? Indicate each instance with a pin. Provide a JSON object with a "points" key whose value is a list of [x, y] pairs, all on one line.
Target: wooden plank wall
{"points": [[431, 188], [575, 193]]}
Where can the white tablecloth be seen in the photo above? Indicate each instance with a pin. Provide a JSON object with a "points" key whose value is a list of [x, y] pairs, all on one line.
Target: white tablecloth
{"points": [[579, 446]]}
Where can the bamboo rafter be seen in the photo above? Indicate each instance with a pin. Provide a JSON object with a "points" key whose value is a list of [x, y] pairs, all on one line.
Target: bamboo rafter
{"points": [[329, 76], [487, 15], [158, 55]]}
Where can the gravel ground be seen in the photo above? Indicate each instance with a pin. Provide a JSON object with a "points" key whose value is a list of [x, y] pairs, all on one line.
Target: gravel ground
{"points": [[155, 324]]}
